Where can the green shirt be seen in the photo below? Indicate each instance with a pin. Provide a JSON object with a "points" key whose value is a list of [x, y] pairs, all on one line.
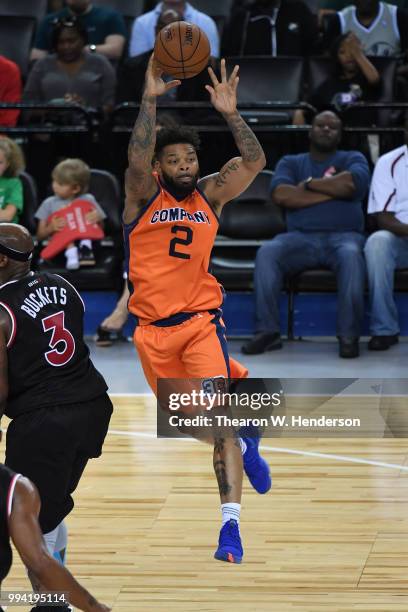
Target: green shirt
{"points": [[11, 192]]}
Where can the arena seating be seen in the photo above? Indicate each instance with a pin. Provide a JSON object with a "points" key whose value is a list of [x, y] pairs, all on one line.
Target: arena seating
{"points": [[24, 8]]}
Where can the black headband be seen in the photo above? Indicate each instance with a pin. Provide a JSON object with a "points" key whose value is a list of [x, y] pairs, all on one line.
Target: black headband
{"points": [[17, 255]]}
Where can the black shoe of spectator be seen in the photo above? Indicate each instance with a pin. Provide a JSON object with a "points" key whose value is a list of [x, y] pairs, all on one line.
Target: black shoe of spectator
{"points": [[348, 347], [262, 342], [86, 256], [382, 343]]}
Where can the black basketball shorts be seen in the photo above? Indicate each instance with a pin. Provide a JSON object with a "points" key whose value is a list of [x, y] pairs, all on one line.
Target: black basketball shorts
{"points": [[52, 445]]}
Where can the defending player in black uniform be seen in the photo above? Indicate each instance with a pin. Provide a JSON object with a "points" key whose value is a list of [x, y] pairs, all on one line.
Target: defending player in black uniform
{"points": [[49, 387], [19, 507]]}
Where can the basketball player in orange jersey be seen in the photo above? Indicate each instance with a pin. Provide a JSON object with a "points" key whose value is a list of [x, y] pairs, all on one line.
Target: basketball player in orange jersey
{"points": [[170, 224]]}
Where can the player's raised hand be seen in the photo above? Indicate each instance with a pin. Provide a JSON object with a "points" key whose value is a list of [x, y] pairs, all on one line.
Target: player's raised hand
{"points": [[154, 84], [224, 93]]}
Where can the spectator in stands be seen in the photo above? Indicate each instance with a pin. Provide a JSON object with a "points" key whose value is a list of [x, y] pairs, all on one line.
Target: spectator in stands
{"points": [[322, 193], [105, 27], [272, 27], [72, 74], [11, 188], [144, 27], [10, 90], [352, 72], [387, 249], [382, 28], [70, 180]]}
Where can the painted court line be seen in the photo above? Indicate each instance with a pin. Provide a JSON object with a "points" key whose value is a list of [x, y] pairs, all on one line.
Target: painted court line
{"points": [[274, 449]]}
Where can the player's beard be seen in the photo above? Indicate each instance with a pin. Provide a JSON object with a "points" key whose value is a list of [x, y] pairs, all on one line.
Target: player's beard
{"points": [[179, 190]]}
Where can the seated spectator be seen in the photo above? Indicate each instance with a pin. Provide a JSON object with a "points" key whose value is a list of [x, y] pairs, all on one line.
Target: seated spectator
{"points": [[105, 28], [10, 90], [387, 249], [11, 188], [70, 180], [72, 74], [322, 193], [272, 27], [354, 76], [382, 28], [144, 27]]}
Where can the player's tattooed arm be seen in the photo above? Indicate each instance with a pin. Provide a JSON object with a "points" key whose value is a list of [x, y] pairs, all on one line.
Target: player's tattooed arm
{"points": [[237, 174], [246, 141], [139, 181]]}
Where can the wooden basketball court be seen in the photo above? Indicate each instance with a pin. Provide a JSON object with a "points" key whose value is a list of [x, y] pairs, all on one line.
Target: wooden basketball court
{"points": [[331, 536]]}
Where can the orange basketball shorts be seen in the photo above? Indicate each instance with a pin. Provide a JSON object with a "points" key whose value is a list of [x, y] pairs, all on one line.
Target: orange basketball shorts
{"points": [[195, 348]]}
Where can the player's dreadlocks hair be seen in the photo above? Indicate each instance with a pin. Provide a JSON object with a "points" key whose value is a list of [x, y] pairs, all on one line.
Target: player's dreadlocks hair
{"points": [[176, 135]]}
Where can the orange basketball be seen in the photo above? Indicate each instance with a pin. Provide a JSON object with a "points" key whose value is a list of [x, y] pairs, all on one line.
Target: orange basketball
{"points": [[182, 49]]}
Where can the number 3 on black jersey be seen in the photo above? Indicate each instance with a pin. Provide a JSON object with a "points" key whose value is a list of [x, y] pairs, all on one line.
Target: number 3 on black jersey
{"points": [[58, 355]]}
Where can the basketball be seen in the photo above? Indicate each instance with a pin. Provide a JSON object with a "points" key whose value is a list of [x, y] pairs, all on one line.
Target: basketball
{"points": [[182, 50]]}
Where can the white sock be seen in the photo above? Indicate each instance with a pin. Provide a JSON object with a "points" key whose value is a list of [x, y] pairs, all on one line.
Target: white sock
{"points": [[86, 242], [230, 511], [242, 445], [72, 253]]}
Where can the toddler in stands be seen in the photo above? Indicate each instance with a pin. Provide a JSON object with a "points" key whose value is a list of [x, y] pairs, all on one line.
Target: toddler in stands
{"points": [[70, 181]]}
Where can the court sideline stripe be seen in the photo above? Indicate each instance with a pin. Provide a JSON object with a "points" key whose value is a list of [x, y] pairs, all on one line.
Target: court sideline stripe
{"points": [[274, 449]]}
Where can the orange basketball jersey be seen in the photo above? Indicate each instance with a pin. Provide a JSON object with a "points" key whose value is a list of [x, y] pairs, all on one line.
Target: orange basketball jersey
{"points": [[168, 249]]}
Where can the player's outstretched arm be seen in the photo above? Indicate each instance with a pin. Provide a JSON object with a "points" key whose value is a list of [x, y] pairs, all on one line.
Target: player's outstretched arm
{"points": [[139, 183], [26, 535], [235, 176]]}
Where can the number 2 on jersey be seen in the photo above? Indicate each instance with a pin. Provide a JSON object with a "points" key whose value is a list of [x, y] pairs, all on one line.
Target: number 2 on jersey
{"points": [[60, 356], [185, 241]]}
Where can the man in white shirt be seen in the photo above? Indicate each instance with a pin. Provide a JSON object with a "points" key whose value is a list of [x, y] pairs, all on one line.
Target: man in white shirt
{"points": [[387, 249], [144, 27], [382, 28]]}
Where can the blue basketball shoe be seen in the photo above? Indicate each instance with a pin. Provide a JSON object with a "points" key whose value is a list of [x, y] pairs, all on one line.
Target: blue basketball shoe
{"points": [[229, 543], [256, 468]]}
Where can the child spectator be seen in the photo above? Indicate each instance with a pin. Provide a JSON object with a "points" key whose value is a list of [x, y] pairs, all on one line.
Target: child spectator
{"points": [[70, 180], [11, 188], [351, 69]]}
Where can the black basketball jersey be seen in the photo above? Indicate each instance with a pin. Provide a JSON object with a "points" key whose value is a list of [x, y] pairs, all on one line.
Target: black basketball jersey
{"points": [[48, 360], [8, 480]]}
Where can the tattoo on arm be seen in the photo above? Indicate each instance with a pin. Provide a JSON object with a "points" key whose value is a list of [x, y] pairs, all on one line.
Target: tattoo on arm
{"points": [[221, 178], [143, 138], [221, 474], [245, 139]]}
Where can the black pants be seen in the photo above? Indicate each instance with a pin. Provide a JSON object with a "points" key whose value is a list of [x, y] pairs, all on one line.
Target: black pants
{"points": [[52, 445]]}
